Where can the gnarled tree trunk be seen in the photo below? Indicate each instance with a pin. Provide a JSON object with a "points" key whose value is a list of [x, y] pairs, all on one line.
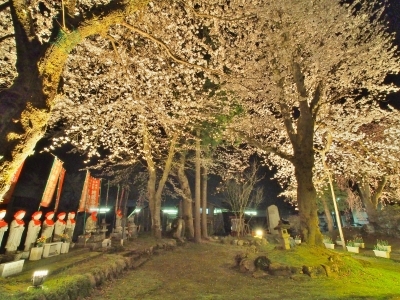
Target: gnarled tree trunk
{"points": [[197, 199], [187, 205], [328, 215], [155, 191], [371, 201], [303, 156], [25, 106], [204, 179]]}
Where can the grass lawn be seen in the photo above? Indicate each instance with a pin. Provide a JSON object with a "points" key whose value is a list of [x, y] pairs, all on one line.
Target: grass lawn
{"points": [[208, 271]]}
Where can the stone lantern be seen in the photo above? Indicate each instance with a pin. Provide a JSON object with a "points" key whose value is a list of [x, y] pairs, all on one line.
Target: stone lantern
{"points": [[284, 235]]}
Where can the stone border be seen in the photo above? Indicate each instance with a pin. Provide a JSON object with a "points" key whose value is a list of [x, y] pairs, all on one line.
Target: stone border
{"points": [[82, 285]]}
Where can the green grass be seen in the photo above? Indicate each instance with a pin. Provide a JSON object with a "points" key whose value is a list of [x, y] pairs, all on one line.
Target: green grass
{"points": [[207, 271]]}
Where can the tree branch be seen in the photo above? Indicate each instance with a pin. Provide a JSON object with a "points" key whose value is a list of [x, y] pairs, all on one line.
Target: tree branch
{"points": [[315, 100], [206, 16], [4, 5], [379, 190], [298, 77], [287, 121], [169, 52], [6, 37], [273, 150]]}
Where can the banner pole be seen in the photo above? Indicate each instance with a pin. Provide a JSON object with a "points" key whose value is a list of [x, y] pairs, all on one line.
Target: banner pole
{"points": [[98, 219], [84, 206], [108, 189]]}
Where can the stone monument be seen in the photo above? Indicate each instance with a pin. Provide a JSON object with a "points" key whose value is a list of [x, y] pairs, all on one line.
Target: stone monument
{"points": [[16, 229], [70, 226], [91, 223], [34, 227], [103, 228], [59, 227], [118, 221], [273, 218], [132, 227], [3, 224], [177, 228], [48, 226]]}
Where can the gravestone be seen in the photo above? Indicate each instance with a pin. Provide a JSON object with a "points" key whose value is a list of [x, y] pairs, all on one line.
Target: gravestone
{"points": [[11, 268], [273, 218], [51, 249]]}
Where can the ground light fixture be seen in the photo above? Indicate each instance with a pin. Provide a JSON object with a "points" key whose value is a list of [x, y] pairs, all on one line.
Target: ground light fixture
{"points": [[259, 233], [38, 278]]}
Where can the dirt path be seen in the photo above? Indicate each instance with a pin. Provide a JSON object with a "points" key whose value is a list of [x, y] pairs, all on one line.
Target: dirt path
{"points": [[207, 271]]}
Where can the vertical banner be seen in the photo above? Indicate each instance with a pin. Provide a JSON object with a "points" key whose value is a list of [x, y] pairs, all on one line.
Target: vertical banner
{"points": [[59, 188], [84, 194], [116, 200], [108, 189], [122, 198], [93, 194], [7, 196], [51, 183]]}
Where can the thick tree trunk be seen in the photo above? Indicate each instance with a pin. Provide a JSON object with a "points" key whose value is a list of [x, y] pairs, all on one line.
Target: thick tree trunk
{"points": [[303, 157], [306, 197], [197, 200], [25, 107], [155, 216], [328, 214], [153, 191], [187, 213], [204, 180], [371, 201], [304, 163]]}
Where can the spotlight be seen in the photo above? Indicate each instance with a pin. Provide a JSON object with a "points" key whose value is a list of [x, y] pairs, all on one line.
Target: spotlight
{"points": [[38, 278], [259, 233]]}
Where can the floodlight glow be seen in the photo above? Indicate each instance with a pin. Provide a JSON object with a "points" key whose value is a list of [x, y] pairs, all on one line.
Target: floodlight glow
{"points": [[170, 211], [39, 277], [259, 233], [101, 210], [250, 212]]}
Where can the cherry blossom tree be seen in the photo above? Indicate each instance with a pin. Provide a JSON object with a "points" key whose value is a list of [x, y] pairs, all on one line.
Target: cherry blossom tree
{"points": [[128, 77], [31, 82], [324, 62], [242, 192], [368, 156]]}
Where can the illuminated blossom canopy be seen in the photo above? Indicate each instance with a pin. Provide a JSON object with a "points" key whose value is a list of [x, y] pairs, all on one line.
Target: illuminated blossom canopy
{"points": [[135, 74]]}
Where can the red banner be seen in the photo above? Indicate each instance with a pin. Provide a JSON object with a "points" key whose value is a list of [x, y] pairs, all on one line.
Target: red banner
{"points": [[93, 194], [90, 194], [82, 202], [59, 188], [51, 183], [7, 196]]}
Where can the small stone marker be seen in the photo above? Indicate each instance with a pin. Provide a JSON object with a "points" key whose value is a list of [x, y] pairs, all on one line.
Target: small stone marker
{"points": [[51, 249], [106, 243], [11, 268]]}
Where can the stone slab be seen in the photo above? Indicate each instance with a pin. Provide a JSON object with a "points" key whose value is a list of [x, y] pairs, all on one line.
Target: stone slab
{"points": [[11, 268]]}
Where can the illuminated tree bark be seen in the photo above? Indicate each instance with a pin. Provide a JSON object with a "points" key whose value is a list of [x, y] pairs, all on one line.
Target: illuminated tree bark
{"points": [[25, 106], [155, 188], [187, 205], [327, 212], [204, 181], [197, 199], [371, 200]]}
